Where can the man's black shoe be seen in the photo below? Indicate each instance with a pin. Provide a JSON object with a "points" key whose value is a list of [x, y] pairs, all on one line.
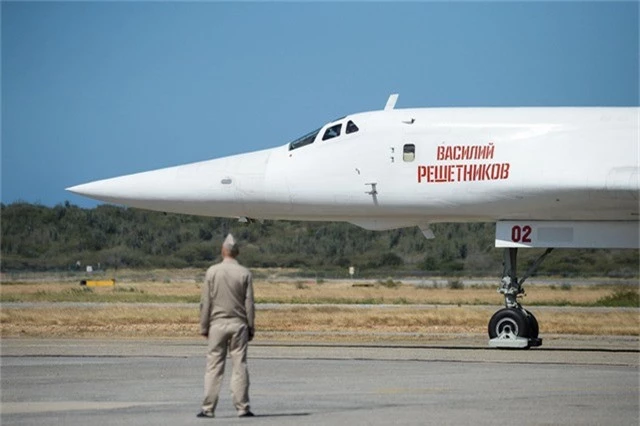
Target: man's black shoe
{"points": [[205, 415], [247, 414]]}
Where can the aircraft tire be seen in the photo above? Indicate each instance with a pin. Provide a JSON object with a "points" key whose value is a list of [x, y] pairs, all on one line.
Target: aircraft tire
{"points": [[534, 329], [509, 319]]}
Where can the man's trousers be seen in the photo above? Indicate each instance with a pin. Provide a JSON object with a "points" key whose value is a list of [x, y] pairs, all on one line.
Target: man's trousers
{"points": [[233, 336]]}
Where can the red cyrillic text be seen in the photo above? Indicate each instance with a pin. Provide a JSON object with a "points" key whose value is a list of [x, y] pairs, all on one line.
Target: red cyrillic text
{"points": [[441, 173], [465, 152]]}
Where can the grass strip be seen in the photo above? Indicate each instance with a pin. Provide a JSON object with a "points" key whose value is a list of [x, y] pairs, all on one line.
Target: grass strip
{"points": [[337, 294], [137, 321]]}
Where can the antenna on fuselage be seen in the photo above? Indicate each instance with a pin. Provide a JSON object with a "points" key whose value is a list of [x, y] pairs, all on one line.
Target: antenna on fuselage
{"points": [[391, 102]]}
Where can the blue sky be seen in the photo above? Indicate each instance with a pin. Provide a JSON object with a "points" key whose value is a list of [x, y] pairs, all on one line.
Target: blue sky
{"points": [[92, 90]]}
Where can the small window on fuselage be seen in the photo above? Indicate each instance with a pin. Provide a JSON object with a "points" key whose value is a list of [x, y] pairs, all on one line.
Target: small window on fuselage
{"points": [[409, 152], [332, 132], [351, 127]]}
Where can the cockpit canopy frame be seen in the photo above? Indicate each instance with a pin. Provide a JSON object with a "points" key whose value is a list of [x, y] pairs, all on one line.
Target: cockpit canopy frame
{"points": [[332, 130]]}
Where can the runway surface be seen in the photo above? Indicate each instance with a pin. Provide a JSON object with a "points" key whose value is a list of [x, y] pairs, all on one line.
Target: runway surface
{"points": [[570, 380]]}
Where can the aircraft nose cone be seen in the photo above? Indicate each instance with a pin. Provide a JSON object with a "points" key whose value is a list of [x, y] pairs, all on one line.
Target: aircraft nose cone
{"points": [[123, 189], [220, 187], [92, 190], [79, 189], [171, 189]]}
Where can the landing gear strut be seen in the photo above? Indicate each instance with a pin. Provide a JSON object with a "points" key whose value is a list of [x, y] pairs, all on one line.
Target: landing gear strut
{"points": [[513, 326]]}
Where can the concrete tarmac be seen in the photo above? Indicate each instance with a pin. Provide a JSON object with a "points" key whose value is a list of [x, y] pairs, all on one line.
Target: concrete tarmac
{"points": [[449, 381]]}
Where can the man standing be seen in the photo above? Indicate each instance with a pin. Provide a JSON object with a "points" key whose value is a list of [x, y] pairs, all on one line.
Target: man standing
{"points": [[227, 320]]}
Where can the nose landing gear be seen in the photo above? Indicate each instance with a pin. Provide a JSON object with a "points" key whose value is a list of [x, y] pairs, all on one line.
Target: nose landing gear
{"points": [[513, 326]]}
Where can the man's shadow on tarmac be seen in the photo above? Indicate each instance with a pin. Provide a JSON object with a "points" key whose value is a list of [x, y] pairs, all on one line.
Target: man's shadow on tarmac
{"points": [[283, 415]]}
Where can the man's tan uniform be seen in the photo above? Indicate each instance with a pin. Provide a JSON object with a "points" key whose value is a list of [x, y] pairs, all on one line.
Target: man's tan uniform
{"points": [[227, 317]]}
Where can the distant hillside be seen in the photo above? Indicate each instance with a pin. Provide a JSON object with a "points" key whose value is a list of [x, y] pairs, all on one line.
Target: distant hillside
{"points": [[36, 237]]}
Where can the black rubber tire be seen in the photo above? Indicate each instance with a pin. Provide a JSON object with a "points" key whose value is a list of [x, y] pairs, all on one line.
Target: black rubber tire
{"points": [[534, 330], [512, 318]]}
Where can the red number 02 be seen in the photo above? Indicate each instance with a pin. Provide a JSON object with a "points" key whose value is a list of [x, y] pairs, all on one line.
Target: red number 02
{"points": [[521, 234]]}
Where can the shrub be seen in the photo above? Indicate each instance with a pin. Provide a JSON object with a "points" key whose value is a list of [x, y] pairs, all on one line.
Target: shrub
{"points": [[455, 284], [389, 283], [621, 297]]}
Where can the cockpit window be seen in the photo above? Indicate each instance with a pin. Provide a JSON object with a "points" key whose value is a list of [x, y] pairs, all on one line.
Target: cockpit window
{"points": [[304, 140], [332, 132], [351, 127]]}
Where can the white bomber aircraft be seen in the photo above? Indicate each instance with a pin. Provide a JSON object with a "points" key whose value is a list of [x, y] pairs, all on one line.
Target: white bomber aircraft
{"points": [[549, 177]]}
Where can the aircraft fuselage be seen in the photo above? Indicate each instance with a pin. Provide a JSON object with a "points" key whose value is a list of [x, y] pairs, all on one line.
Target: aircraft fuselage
{"points": [[410, 167]]}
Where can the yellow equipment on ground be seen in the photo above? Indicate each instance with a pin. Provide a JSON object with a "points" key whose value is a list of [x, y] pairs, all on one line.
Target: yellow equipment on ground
{"points": [[99, 283]]}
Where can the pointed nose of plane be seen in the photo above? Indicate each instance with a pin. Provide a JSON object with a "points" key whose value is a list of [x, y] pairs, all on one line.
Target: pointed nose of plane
{"points": [[162, 189], [210, 188], [140, 187]]}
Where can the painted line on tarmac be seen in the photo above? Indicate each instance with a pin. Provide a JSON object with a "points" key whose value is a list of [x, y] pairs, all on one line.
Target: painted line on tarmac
{"points": [[59, 406]]}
